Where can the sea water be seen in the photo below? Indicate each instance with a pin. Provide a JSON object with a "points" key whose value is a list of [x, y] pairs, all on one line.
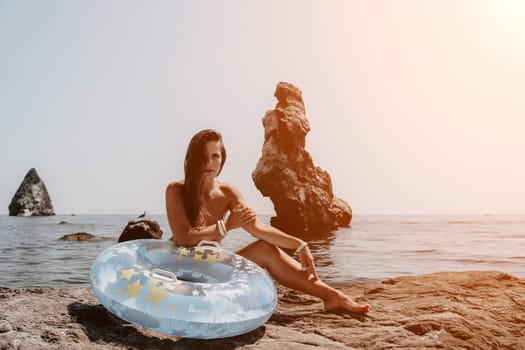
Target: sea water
{"points": [[374, 247]]}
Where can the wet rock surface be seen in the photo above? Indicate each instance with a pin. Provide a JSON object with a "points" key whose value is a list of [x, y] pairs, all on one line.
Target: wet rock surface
{"points": [[300, 191], [31, 198], [460, 310]]}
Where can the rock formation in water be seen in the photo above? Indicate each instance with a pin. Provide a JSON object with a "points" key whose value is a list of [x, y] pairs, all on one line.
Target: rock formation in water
{"points": [[31, 198], [300, 191], [82, 236], [140, 230]]}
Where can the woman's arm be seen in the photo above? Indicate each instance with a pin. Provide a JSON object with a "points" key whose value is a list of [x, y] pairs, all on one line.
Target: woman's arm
{"points": [[257, 228], [182, 230], [273, 235]]}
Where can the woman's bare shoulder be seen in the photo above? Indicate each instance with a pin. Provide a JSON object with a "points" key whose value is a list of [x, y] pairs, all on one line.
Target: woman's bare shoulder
{"points": [[175, 186], [226, 187], [230, 191]]}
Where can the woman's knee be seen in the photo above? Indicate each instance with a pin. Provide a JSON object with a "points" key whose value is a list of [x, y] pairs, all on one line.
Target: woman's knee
{"points": [[266, 248], [262, 252]]}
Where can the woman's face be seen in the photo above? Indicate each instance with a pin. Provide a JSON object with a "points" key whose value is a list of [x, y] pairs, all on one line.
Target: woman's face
{"points": [[213, 159]]}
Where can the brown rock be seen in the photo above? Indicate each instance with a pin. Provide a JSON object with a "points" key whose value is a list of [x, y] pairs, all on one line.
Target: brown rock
{"points": [[141, 229], [461, 310], [82, 236], [300, 191]]}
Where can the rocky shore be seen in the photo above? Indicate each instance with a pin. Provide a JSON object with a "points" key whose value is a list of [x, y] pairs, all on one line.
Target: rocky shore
{"points": [[460, 310]]}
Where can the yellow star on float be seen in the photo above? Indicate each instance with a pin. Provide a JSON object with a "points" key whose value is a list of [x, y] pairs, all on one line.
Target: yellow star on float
{"points": [[157, 294], [172, 307], [119, 291], [134, 289], [128, 274], [197, 257], [212, 258], [179, 258], [183, 251]]}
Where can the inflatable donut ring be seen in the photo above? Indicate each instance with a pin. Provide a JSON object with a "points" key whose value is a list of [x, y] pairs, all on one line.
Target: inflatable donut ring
{"points": [[202, 292]]}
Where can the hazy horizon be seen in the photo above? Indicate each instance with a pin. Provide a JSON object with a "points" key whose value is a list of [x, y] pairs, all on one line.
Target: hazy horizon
{"points": [[415, 108]]}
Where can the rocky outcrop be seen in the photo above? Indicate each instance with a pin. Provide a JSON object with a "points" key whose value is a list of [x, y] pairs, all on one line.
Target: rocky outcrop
{"points": [[465, 310], [31, 198], [300, 191], [140, 230], [82, 236]]}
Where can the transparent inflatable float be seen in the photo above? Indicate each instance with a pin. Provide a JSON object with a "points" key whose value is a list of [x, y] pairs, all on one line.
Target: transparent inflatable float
{"points": [[203, 292]]}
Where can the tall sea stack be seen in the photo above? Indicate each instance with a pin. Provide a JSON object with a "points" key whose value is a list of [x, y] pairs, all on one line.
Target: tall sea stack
{"points": [[300, 191], [31, 198]]}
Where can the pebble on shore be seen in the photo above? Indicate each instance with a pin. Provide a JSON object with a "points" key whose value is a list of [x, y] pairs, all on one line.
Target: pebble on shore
{"points": [[446, 310]]}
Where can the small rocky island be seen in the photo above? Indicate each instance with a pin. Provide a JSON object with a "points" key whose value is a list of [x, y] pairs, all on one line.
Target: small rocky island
{"points": [[300, 191], [31, 198]]}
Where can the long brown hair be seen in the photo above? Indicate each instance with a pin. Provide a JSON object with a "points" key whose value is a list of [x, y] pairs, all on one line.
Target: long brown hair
{"points": [[194, 164]]}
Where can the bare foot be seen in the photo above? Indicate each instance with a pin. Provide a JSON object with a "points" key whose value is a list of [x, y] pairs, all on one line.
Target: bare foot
{"points": [[343, 305]]}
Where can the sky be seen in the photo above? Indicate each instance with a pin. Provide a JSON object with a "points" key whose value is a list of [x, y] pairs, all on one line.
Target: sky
{"points": [[415, 107]]}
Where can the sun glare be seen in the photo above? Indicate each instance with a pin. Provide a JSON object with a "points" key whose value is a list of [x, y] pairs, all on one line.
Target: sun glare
{"points": [[506, 19]]}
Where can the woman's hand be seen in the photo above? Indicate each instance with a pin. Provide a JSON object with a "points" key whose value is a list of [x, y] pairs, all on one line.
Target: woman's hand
{"points": [[307, 261], [240, 216]]}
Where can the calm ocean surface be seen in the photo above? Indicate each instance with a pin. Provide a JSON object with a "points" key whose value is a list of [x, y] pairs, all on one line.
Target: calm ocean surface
{"points": [[374, 247]]}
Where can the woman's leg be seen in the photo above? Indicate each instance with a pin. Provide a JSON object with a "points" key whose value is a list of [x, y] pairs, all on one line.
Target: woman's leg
{"points": [[288, 271]]}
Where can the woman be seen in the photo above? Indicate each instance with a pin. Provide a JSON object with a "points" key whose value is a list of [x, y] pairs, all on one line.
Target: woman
{"points": [[197, 205]]}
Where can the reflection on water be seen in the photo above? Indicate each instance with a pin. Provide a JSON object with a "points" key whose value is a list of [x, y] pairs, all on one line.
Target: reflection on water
{"points": [[374, 247], [321, 249]]}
